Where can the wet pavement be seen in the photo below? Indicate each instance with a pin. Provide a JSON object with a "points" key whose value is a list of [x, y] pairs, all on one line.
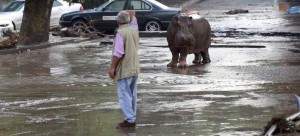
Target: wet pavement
{"points": [[65, 90]]}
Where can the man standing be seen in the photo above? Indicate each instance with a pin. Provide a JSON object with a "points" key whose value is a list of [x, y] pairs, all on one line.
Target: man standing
{"points": [[125, 65]]}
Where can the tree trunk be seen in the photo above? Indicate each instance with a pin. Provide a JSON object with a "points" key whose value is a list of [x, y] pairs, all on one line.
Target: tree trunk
{"points": [[36, 21]]}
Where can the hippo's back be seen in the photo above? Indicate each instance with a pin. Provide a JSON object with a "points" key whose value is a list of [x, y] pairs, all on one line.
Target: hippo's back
{"points": [[202, 33], [201, 25]]}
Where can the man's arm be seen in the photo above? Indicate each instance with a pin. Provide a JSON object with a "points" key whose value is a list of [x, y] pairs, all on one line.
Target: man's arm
{"points": [[133, 19], [114, 62], [132, 15], [117, 55]]}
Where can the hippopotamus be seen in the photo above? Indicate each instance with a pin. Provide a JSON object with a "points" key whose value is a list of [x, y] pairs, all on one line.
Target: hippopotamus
{"points": [[187, 34]]}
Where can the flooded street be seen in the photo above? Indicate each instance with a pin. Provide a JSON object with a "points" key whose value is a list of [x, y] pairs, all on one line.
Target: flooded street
{"points": [[65, 90]]}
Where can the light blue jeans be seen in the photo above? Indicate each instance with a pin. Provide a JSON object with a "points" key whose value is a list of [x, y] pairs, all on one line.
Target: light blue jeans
{"points": [[127, 93]]}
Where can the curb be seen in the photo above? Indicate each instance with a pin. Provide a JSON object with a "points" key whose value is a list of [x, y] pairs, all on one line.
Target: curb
{"points": [[153, 34], [27, 48], [220, 46], [227, 33]]}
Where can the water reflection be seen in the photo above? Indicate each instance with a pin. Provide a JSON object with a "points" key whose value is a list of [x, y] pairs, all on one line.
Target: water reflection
{"points": [[191, 70], [59, 71], [25, 65], [127, 131], [59, 63]]}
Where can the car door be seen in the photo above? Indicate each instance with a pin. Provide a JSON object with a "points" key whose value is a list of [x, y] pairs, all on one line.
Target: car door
{"points": [[143, 11], [109, 13], [56, 12]]}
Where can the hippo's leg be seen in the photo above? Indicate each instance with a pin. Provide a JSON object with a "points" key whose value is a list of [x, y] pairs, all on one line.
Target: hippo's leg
{"points": [[174, 61], [205, 55], [182, 60], [197, 59]]}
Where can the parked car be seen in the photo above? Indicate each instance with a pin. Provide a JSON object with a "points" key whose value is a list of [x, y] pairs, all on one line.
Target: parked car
{"points": [[5, 25], [3, 4], [151, 15], [14, 11]]}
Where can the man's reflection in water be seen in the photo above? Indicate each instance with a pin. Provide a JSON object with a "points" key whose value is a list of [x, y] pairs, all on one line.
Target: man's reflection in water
{"points": [[127, 131]]}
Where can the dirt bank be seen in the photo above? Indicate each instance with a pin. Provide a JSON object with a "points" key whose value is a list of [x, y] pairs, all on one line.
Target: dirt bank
{"points": [[220, 4]]}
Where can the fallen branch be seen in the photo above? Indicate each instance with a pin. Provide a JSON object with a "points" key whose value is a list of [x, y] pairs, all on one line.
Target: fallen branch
{"points": [[237, 11], [85, 30], [10, 41]]}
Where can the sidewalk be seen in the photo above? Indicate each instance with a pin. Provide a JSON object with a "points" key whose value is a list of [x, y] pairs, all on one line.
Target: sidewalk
{"points": [[53, 41]]}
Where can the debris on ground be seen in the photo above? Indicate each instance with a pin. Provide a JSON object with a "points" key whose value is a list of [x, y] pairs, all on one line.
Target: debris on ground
{"points": [[9, 39], [83, 30], [237, 11], [283, 125]]}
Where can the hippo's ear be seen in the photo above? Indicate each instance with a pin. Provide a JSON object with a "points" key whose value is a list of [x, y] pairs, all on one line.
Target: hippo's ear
{"points": [[190, 22]]}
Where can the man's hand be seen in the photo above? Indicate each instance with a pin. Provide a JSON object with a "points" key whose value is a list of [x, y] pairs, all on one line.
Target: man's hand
{"points": [[112, 73], [113, 66], [132, 15]]}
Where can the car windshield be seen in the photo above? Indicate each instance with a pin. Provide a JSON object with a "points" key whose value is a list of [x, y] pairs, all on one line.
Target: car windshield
{"points": [[159, 4], [14, 6]]}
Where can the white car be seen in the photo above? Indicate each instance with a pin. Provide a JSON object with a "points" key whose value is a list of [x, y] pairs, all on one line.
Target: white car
{"points": [[5, 24], [14, 12]]}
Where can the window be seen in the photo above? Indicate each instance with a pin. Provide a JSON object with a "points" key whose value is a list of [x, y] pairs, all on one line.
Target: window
{"points": [[15, 6], [56, 4], [139, 5], [159, 4], [116, 6]]}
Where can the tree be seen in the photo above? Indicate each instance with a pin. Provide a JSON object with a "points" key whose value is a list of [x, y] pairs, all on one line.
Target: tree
{"points": [[36, 21]]}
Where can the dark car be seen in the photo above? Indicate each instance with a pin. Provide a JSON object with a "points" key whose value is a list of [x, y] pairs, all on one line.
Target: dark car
{"points": [[151, 15]]}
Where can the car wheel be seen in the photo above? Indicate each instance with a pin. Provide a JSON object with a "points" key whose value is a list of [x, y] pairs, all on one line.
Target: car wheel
{"points": [[79, 24], [15, 28], [152, 25]]}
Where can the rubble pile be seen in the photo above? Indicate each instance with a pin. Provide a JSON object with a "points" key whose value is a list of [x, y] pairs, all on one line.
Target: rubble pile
{"points": [[283, 125], [9, 39], [237, 11]]}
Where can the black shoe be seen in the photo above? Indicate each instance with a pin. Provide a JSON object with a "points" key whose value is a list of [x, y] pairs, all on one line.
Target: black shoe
{"points": [[126, 124]]}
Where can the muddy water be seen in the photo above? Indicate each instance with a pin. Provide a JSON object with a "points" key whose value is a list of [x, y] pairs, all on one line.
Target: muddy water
{"points": [[65, 90]]}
